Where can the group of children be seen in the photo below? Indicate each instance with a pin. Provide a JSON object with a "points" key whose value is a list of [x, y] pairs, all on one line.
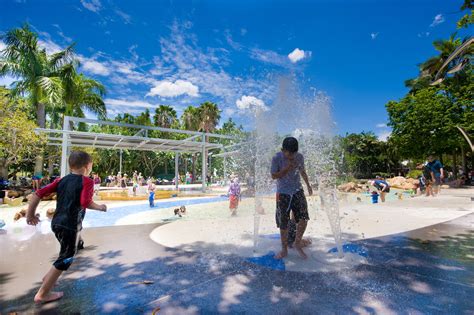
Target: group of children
{"points": [[75, 192]]}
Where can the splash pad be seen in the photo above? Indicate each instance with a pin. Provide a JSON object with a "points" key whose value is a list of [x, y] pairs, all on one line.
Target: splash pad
{"points": [[307, 117]]}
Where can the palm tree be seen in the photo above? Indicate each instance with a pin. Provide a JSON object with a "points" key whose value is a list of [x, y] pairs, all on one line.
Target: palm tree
{"points": [[39, 73], [190, 120], [82, 93], [209, 114], [430, 67], [165, 116]]}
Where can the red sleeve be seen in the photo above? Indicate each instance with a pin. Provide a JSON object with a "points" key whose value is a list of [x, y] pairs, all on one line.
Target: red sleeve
{"points": [[87, 191], [49, 189]]}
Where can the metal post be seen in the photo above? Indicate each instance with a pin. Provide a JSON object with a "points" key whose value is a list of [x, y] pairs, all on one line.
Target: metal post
{"points": [[204, 162], [120, 165], [64, 147], [176, 170], [225, 171]]}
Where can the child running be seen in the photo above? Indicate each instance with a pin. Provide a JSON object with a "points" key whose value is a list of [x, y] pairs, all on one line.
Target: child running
{"points": [[234, 196], [287, 166], [74, 195]]}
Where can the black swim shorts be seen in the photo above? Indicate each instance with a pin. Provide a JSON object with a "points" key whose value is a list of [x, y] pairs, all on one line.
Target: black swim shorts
{"points": [[68, 241], [287, 203]]}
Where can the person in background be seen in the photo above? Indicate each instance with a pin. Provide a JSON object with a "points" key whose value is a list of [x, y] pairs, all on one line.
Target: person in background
{"points": [[151, 193], [438, 172], [97, 180], [234, 196], [382, 186]]}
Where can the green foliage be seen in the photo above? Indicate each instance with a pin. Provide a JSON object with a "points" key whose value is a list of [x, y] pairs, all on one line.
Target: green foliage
{"points": [[365, 155], [414, 174], [18, 140]]}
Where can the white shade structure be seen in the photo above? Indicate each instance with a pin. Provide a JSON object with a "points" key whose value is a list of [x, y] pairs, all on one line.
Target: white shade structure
{"points": [[195, 142]]}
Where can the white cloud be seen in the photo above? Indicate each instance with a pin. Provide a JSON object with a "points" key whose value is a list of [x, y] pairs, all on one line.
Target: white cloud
{"points": [[381, 125], [127, 19], [424, 34], [128, 103], [384, 135], [47, 43], [2, 45], [92, 5], [93, 66], [248, 102], [438, 19], [173, 89], [374, 35], [268, 56], [243, 31], [298, 54]]}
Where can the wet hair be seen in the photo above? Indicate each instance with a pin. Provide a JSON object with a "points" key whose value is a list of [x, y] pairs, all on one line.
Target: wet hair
{"points": [[79, 159], [290, 144]]}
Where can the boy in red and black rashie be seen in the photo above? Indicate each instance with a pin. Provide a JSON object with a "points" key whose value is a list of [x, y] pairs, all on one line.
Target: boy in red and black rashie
{"points": [[74, 195]]}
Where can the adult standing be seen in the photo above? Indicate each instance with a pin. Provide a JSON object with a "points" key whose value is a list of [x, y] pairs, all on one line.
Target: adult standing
{"points": [[438, 172], [382, 186]]}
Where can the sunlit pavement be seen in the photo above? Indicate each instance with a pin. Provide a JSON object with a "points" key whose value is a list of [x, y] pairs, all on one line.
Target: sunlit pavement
{"points": [[430, 270]]}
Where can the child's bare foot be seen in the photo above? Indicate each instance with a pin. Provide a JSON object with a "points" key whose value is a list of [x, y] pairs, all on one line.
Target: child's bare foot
{"points": [[52, 296], [299, 249], [281, 254]]}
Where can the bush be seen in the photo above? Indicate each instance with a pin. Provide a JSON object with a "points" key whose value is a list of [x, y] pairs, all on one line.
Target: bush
{"points": [[414, 174]]}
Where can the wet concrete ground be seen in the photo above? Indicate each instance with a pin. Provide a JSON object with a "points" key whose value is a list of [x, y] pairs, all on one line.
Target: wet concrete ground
{"points": [[426, 271]]}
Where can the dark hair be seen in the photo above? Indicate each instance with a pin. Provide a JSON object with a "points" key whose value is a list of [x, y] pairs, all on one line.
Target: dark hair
{"points": [[79, 159], [290, 144]]}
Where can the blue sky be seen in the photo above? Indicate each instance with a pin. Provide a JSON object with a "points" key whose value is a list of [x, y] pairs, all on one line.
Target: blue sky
{"points": [[184, 52]]}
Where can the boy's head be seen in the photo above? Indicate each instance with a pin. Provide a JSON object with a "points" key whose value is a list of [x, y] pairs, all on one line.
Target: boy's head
{"points": [[431, 158], [80, 161], [289, 147]]}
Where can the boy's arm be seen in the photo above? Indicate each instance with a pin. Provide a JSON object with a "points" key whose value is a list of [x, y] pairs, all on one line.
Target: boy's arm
{"points": [[31, 218], [306, 180], [94, 206], [86, 195]]}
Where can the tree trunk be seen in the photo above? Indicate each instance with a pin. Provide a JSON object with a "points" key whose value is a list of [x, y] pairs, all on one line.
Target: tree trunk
{"points": [[166, 165], [50, 164], [464, 160], [194, 168], [455, 166], [41, 121], [185, 164], [3, 168]]}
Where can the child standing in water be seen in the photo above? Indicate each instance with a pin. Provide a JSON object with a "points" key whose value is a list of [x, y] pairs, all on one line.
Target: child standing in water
{"points": [[74, 195], [151, 193], [287, 167], [234, 196]]}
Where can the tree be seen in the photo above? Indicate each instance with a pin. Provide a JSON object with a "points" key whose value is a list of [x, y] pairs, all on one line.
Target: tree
{"points": [[165, 116], [18, 140], [467, 19], [82, 93], [210, 115], [39, 73], [364, 155], [430, 67], [190, 120], [425, 123]]}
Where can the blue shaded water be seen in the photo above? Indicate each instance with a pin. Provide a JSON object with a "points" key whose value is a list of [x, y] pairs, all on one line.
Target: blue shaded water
{"points": [[98, 219]]}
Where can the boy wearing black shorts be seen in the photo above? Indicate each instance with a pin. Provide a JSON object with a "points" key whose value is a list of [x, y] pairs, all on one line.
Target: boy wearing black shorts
{"points": [[287, 167], [74, 195]]}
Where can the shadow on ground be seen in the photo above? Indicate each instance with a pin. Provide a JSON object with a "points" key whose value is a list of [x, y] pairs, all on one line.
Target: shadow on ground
{"points": [[403, 275]]}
